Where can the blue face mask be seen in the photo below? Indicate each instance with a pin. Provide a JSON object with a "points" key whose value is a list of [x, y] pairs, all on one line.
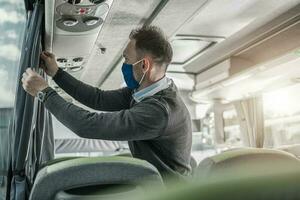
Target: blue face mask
{"points": [[127, 70]]}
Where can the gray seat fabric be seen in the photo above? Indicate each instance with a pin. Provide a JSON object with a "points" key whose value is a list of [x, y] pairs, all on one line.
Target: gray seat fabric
{"points": [[54, 179], [247, 162]]}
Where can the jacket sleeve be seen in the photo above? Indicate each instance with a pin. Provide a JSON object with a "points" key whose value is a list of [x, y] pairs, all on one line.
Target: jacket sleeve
{"points": [[145, 120], [111, 100]]}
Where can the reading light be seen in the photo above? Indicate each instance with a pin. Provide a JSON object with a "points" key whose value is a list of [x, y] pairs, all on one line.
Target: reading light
{"points": [[70, 22], [91, 21]]}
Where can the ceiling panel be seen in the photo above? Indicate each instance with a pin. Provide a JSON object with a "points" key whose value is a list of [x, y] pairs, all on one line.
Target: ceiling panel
{"points": [[224, 18], [174, 14], [237, 20], [185, 49], [123, 17]]}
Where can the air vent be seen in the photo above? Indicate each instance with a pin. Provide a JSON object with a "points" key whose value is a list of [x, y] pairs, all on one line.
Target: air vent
{"points": [[75, 68], [62, 60], [71, 64], [69, 22], [91, 21], [64, 68], [78, 23], [78, 61]]}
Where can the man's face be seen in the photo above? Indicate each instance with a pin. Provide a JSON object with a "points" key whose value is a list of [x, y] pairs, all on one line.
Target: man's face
{"points": [[131, 57]]}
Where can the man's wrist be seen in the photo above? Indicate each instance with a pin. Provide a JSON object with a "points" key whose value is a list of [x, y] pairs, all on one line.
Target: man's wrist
{"points": [[43, 87], [55, 72], [43, 94], [59, 70]]}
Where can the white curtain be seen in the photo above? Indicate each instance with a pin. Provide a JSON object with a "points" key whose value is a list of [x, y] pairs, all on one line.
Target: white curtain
{"points": [[251, 118]]}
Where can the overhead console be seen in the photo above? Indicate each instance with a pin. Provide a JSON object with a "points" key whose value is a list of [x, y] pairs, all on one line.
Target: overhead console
{"points": [[72, 27], [79, 16]]}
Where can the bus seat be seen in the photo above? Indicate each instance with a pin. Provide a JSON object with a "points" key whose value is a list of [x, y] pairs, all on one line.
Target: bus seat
{"points": [[94, 178], [277, 186], [293, 149], [126, 154], [193, 164], [247, 162], [193, 161]]}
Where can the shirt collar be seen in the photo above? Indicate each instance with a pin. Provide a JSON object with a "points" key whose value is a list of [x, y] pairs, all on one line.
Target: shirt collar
{"points": [[151, 90]]}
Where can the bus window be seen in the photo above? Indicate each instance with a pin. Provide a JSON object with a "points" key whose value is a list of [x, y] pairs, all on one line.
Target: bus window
{"points": [[12, 25], [203, 136], [282, 119], [225, 126], [232, 133]]}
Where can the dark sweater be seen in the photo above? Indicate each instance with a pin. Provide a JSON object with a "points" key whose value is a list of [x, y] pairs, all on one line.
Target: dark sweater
{"points": [[158, 129]]}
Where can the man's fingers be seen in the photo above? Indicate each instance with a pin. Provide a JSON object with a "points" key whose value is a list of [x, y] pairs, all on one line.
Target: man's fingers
{"points": [[50, 54], [46, 54], [25, 86], [29, 71], [32, 82], [28, 76], [24, 75]]}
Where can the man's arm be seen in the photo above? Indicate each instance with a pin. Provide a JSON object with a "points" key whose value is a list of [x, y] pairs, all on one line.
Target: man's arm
{"points": [[87, 95], [112, 100], [143, 121]]}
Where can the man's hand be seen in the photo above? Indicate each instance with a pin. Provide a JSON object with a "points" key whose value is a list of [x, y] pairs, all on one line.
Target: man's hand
{"points": [[33, 82], [50, 66]]}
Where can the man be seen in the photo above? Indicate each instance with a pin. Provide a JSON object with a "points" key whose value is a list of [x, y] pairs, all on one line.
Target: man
{"points": [[148, 113]]}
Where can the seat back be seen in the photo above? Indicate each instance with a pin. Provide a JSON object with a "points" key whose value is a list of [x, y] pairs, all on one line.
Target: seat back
{"points": [[293, 149], [269, 187], [240, 174], [90, 178], [193, 164], [247, 162]]}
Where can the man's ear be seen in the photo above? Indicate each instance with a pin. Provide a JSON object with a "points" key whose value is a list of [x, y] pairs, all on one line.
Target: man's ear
{"points": [[147, 63]]}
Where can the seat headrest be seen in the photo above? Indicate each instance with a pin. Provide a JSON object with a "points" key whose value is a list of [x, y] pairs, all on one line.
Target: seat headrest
{"points": [[245, 152], [80, 172], [247, 162]]}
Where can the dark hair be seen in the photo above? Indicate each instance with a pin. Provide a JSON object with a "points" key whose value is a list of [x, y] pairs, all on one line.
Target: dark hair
{"points": [[151, 40]]}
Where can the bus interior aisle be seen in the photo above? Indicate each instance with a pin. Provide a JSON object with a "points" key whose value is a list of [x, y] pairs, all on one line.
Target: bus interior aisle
{"points": [[235, 70]]}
